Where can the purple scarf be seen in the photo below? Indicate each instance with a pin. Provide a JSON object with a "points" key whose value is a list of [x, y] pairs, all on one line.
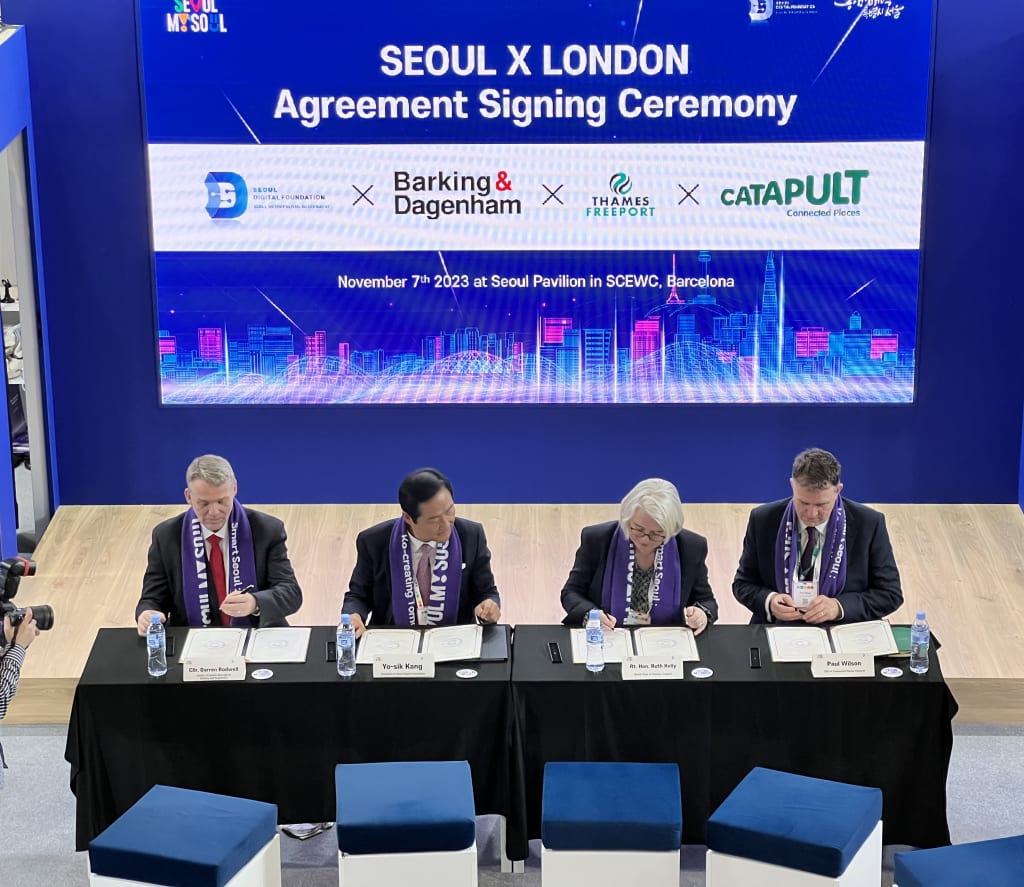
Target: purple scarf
{"points": [[617, 585], [832, 575], [196, 583], [442, 607]]}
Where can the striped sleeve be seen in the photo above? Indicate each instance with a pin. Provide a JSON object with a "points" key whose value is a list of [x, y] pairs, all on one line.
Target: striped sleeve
{"points": [[10, 672]]}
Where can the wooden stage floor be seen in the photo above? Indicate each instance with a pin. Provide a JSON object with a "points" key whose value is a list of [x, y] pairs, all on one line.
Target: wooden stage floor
{"points": [[963, 564]]}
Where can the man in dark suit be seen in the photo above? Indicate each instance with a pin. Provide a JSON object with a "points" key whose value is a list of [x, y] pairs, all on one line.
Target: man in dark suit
{"points": [[427, 567], [817, 557], [218, 563]]}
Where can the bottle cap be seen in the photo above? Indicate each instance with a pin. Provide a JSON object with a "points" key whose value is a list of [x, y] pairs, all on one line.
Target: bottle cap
{"points": [[920, 615], [595, 614], [154, 618], [346, 619]]}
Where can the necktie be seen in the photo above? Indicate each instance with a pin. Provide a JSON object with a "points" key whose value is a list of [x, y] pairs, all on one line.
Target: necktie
{"points": [[220, 583], [807, 557], [423, 573]]}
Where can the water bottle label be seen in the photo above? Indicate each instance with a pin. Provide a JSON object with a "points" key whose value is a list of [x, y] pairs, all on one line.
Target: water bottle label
{"points": [[595, 636]]}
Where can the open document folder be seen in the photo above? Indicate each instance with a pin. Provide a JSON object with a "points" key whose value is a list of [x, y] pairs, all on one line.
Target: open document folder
{"points": [[213, 643], [801, 643], [447, 643], [655, 640], [283, 644]]}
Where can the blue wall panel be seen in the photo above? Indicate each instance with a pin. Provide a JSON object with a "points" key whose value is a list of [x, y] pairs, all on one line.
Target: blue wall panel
{"points": [[960, 442]]}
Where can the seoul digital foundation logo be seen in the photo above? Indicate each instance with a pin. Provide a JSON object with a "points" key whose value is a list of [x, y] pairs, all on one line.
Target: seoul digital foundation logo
{"points": [[196, 17], [621, 203], [226, 195]]}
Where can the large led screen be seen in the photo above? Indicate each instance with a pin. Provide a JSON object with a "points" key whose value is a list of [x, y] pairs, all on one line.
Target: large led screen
{"points": [[662, 201]]}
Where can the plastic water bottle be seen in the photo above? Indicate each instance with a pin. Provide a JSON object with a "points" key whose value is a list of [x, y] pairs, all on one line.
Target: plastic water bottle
{"points": [[920, 636], [595, 642], [156, 642], [346, 647]]}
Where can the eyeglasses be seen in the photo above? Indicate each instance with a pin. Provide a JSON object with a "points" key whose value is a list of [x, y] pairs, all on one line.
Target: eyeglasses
{"points": [[656, 538]]}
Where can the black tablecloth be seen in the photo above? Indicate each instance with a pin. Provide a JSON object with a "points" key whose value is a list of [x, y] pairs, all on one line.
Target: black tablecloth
{"points": [[276, 740], [279, 740], [893, 733]]}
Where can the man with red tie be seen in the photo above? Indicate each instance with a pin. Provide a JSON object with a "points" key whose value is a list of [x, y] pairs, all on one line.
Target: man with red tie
{"points": [[219, 563]]}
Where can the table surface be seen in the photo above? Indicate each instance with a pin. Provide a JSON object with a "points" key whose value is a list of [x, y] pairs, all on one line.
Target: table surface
{"points": [[279, 740], [894, 733]]}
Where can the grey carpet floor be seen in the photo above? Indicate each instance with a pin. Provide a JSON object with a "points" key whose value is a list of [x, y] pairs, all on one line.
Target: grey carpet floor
{"points": [[37, 814]]}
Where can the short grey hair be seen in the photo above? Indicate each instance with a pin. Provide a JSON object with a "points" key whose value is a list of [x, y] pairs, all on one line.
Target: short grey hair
{"points": [[215, 470], [660, 499], [816, 468]]}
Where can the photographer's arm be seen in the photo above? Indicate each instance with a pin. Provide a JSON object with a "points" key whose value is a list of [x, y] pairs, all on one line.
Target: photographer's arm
{"points": [[10, 663]]}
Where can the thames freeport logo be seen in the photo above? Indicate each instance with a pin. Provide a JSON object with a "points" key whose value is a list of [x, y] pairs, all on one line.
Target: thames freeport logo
{"points": [[196, 17], [622, 203]]}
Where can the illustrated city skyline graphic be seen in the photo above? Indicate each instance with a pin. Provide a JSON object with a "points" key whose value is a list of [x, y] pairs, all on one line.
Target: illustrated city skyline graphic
{"points": [[682, 349]]}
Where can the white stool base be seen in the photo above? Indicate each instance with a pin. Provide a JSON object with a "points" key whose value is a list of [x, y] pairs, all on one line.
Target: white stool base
{"points": [[508, 866], [864, 870], [263, 870], [609, 868], [448, 868]]}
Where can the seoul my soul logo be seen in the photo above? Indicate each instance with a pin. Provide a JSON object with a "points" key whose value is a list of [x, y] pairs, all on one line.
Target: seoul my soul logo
{"points": [[622, 203], [196, 17], [226, 195]]}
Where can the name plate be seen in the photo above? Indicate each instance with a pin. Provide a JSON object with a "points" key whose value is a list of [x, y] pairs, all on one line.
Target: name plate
{"points": [[408, 665], [220, 669], [847, 665], [653, 668]]}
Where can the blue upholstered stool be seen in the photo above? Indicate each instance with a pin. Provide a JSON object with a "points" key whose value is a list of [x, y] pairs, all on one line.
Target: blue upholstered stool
{"points": [[998, 863], [611, 824], [404, 823], [781, 830], [184, 838]]}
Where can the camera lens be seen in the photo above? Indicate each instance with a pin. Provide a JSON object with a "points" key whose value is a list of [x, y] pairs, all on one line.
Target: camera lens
{"points": [[43, 614]]}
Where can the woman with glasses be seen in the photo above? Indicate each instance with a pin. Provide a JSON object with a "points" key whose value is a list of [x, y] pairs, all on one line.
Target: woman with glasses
{"points": [[644, 568]]}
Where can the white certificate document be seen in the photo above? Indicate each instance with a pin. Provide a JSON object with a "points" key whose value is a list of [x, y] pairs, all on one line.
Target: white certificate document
{"points": [[283, 644], [668, 640], [874, 638], [387, 642], [618, 645], [213, 643], [797, 643], [449, 643]]}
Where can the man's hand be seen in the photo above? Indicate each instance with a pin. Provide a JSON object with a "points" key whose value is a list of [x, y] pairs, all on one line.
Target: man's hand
{"points": [[822, 609], [607, 622], [27, 631], [238, 604], [145, 617], [784, 609], [696, 619], [357, 624], [487, 611]]}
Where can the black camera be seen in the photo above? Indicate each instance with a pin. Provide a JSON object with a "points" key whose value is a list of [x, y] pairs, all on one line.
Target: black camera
{"points": [[11, 571]]}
